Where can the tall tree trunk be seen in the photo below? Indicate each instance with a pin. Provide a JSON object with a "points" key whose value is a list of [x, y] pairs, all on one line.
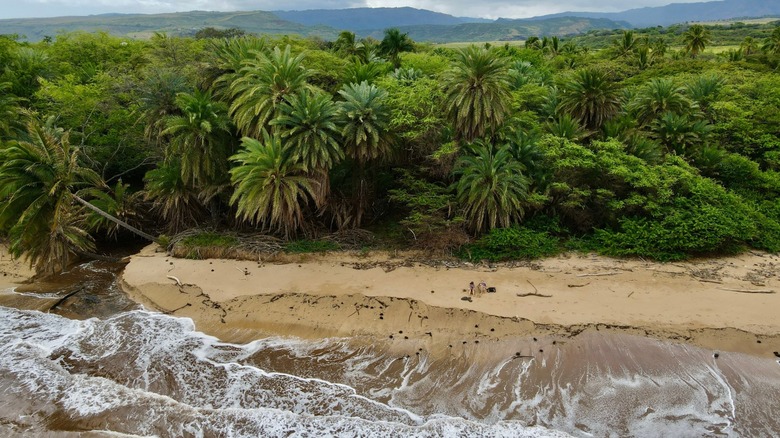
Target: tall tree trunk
{"points": [[119, 222]]}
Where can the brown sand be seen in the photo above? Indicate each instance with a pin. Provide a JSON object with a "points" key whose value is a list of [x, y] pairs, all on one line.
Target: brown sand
{"points": [[12, 272], [713, 303]]}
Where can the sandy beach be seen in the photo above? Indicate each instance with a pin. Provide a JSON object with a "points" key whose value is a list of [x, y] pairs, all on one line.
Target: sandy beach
{"points": [[724, 304], [12, 272]]}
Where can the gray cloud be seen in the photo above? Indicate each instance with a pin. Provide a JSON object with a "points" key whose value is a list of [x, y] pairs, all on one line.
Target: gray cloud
{"points": [[463, 8]]}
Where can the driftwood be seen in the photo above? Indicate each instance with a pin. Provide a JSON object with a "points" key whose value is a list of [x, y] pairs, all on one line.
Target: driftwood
{"points": [[178, 283], [68, 295], [577, 285], [535, 292], [748, 291], [708, 281], [599, 274]]}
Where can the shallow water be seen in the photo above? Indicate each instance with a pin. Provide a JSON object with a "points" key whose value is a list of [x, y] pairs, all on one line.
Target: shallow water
{"points": [[141, 373]]}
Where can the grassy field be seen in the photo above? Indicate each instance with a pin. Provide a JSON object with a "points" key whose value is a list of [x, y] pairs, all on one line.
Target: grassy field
{"points": [[764, 20], [461, 45]]}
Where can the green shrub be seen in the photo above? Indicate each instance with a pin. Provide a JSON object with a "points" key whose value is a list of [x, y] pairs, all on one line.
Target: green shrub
{"points": [[209, 240], [512, 244], [306, 246]]}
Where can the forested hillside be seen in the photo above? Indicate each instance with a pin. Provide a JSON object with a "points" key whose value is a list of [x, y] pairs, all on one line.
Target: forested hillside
{"points": [[652, 146]]}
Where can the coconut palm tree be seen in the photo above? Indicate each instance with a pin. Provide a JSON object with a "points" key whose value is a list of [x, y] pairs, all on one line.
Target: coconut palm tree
{"points": [[393, 44], [262, 86], [39, 174], [477, 93], [590, 96], [365, 119], [696, 39], [491, 187], [659, 97], [200, 138], [271, 188]]}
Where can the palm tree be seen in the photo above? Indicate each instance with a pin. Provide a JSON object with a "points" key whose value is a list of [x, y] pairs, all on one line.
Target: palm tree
{"points": [[271, 188], [307, 124], [533, 43], [177, 203], [118, 202], [10, 111], [365, 118], [477, 93], [705, 90], [346, 44], [591, 97], [199, 138], [772, 44], [39, 174], [659, 97], [229, 56], [696, 39], [491, 187], [262, 86], [393, 44], [359, 71], [679, 133], [158, 101], [626, 44], [566, 127], [748, 46]]}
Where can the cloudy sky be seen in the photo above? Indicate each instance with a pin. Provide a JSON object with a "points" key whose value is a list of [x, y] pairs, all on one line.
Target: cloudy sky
{"points": [[463, 8]]}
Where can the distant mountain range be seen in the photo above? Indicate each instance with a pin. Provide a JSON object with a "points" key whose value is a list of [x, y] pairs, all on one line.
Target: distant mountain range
{"points": [[683, 12], [367, 19], [421, 25]]}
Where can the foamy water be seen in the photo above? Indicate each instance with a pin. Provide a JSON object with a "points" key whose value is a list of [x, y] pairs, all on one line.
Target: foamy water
{"points": [[146, 374], [142, 373]]}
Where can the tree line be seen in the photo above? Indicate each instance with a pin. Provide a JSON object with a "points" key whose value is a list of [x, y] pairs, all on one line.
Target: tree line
{"points": [[486, 151]]}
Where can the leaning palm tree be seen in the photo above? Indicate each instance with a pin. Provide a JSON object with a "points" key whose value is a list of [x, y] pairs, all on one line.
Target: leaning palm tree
{"points": [[118, 202], [591, 97], [659, 97], [262, 86], [477, 93], [365, 119], [491, 187], [271, 188], [200, 138], [696, 39], [39, 175], [393, 44]]}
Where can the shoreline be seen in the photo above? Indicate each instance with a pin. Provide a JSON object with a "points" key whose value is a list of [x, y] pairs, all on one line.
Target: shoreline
{"points": [[708, 303]]}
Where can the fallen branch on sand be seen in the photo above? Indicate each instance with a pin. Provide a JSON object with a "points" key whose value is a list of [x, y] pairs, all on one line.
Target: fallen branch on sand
{"points": [[601, 274], [748, 291], [535, 292], [707, 280], [178, 283], [533, 295], [577, 285]]}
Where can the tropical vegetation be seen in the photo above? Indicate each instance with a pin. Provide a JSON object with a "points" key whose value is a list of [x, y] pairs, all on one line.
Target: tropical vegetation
{"points": [[631, 143]]}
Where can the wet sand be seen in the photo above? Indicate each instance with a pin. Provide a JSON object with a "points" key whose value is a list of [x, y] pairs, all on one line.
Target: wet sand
{"points": [[719, 304]]}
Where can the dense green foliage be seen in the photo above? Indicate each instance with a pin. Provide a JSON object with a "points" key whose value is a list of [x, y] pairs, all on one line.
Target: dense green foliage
{"points": [[653, 146]]}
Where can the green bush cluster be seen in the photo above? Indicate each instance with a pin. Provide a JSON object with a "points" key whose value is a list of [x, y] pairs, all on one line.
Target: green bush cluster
{"points": [[515, 243]]}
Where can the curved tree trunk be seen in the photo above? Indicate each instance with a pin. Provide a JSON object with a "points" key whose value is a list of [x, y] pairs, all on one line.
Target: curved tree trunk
{"points": [[119, 222]]}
